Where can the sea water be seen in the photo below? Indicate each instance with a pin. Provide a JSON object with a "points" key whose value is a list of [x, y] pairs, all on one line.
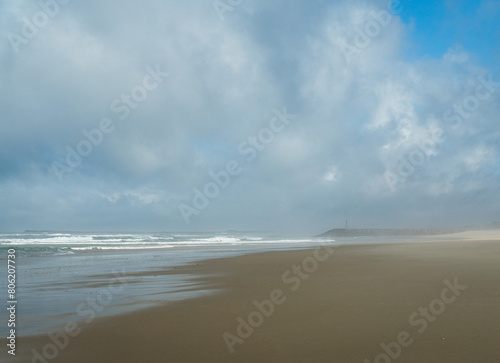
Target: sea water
{"points": [[68, 276], [62, 276]]}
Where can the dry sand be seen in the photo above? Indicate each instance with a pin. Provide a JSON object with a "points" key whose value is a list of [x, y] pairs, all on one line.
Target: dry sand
{"points": [[351, 303]]}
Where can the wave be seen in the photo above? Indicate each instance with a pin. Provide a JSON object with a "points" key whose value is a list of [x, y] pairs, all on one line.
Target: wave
{"points": [[66, 243], [103, 248], [218, 239], [47, 240]]}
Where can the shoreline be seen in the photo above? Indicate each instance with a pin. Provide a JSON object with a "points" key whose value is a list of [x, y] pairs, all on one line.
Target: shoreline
{"points": [[145, 283], [54, 286], [351, 302]]}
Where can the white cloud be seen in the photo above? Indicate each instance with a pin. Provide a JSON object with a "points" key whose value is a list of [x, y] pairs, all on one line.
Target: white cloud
{"points": [[354, 121]]}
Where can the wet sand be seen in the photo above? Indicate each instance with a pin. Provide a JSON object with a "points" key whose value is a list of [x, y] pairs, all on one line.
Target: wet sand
{"points": [[412, 302]]}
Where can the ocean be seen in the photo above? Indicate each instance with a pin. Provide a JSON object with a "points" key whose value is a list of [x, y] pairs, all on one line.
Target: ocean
{"points": [[34, 243], [86, 275], [71, 276]]}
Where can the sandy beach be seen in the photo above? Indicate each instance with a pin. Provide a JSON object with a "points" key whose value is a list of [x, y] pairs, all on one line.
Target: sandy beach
{"points": [[408, 302], [250, 181]]}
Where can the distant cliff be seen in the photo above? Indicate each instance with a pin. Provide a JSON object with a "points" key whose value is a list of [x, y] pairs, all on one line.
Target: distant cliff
{"points": [[374, 232]]}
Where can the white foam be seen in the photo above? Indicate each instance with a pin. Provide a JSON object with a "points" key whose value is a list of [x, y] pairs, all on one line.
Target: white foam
{"points": [[118, 248], [218, 239], [50, 240], [53, 242]]}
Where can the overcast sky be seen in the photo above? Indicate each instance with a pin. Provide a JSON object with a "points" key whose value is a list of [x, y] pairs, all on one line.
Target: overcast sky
{"points": [[118, 115]]}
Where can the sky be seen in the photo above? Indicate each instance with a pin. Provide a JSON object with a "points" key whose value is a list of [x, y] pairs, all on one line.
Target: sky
{"points": [[286, 116]]}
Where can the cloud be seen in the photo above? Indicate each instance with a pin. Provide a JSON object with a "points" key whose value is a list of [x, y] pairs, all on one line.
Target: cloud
{"points": [[355, 122]]}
